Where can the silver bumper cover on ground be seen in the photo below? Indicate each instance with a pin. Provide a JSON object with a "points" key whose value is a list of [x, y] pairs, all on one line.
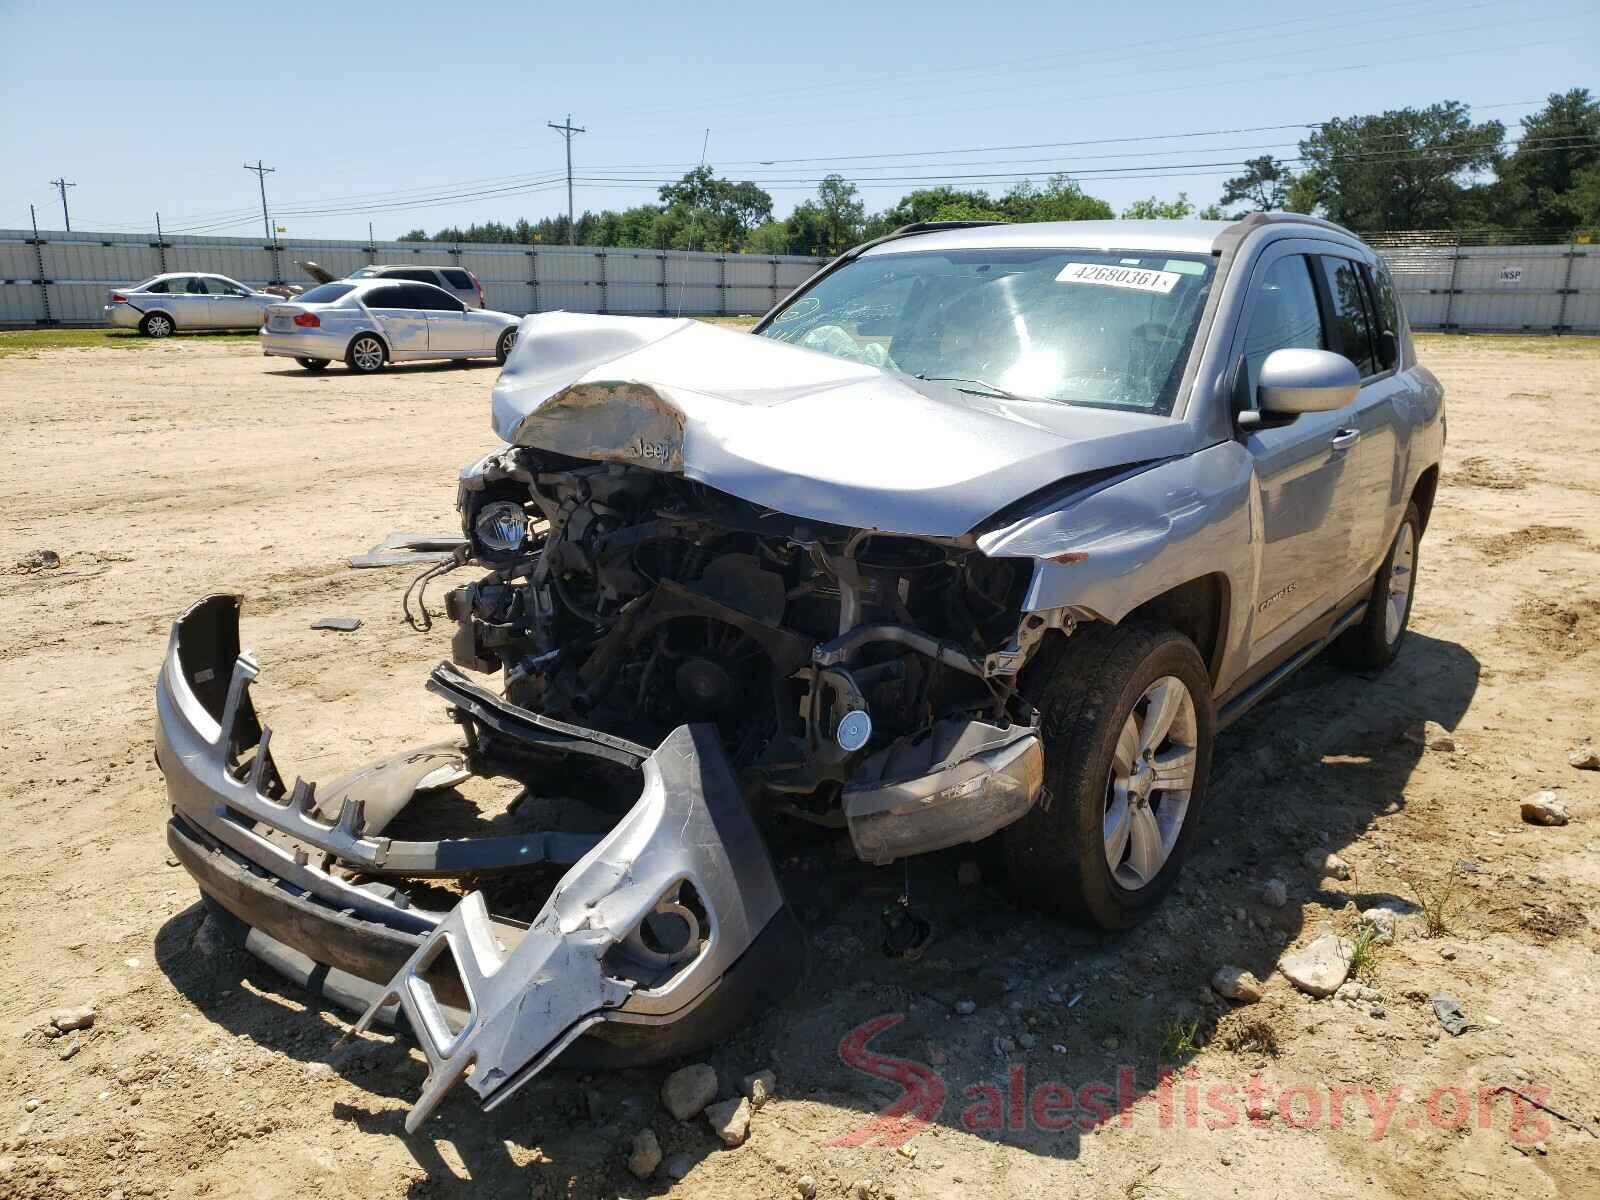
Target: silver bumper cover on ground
{"points": [[669, 927]]}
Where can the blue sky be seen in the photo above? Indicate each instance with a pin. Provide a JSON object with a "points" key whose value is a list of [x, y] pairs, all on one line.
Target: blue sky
{"points": [[390, 112]]}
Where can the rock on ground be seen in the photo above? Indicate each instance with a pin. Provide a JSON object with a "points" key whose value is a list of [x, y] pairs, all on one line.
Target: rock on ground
{"points": [[1585, 758], [1324, 863], [646, 1154], [1275, 892], [1319, 968], [679, 1165], [67, 1019], [758, 1087], [730, 1120], [1236, 984], [1384, 922], [688, 1090], [1544, 808]]}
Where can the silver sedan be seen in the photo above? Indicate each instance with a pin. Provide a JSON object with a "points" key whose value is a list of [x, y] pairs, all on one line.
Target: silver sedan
{"points": [[183, 300], [370, 323]]}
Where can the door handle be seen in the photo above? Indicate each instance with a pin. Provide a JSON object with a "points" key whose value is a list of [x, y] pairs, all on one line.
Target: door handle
{"points": [[1346, 438]]}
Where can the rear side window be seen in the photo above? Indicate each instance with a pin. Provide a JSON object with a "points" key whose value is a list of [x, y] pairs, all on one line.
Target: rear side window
{"points": [[1283, 316], [1351, 322], [386, 297], [415, 274], [159, 287], [326, 293], [1381, 287], [458, 279]]}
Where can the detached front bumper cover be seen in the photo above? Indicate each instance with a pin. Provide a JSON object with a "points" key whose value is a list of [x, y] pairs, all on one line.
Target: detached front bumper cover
{"points": [[667, 932]]}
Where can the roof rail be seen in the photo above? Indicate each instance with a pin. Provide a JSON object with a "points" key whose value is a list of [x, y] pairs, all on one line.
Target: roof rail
{"points": [[1252, 220]]}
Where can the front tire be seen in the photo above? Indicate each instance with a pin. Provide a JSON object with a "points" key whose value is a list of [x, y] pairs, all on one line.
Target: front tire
{"points": [[157, 325], [366, 355], [503, 348], [313, 364], [1372, 644], [1127, 720]]}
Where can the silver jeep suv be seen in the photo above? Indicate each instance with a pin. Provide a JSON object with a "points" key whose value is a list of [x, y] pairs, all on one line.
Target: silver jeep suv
{"points": [[986, 529]]}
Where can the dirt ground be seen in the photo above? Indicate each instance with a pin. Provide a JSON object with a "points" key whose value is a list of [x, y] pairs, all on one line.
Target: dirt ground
{"points": [[197, 466]]}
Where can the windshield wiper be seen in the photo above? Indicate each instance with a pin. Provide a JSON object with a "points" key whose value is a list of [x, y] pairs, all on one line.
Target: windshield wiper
{"points": [[992, 389]]}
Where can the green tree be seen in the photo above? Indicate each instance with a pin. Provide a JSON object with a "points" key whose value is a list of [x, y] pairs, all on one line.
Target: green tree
{"points": [[1559, 143], [1581, 202], [830, 224], [1408, 168], [1152, 209], [1264, 185], [1060, 199], [708, 213]]}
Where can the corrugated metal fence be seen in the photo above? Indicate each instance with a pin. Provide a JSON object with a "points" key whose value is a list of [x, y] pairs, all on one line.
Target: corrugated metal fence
{"points": [[1510, 289], [61, 278]]}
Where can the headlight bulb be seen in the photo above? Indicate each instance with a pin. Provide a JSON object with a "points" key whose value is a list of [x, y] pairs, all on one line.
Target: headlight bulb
{"points": [[501, 526]]}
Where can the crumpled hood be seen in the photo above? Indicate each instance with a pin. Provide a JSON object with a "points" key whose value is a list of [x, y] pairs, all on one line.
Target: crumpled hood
{"points": [[799, 431]]}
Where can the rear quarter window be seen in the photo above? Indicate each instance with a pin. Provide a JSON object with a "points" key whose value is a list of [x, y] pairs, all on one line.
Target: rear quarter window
{"points": [[415, 274]]}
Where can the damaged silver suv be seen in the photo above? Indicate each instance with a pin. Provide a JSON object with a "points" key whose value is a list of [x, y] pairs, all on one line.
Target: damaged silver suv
{"points": [[984, 530]]}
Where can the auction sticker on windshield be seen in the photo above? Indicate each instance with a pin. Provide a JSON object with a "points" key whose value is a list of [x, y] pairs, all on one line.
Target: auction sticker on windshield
{"points": [[1136, 278]]}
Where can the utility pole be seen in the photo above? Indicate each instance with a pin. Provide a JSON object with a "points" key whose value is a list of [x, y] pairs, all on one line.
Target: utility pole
{"points": [[261, 176], [61, 185], [567, 131]]}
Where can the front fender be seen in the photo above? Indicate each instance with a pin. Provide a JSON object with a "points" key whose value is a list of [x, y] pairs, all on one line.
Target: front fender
{"points": [[1106, 553]]}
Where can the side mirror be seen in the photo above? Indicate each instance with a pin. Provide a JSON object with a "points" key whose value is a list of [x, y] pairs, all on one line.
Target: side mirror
{"points": [[1299, 381]]}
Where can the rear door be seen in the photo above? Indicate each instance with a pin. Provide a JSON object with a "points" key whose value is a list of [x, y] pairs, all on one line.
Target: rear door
{"points": [[187, 301], [461, 285], [1307, 488], [404, 325]]}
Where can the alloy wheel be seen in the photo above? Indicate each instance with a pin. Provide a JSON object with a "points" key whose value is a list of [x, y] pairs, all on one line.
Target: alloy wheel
{"points": [[1152, 776], [367, 354], [1400, 578]]}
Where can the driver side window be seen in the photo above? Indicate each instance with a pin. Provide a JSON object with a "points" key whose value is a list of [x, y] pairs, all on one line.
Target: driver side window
{"points": [[1283, 314]]}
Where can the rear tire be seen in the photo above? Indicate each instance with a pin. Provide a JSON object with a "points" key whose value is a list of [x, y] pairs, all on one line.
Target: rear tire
{"points": [[1126, 717], [157, 325], [313, 364], [366, 354], [1373, 644], [503, 347]]}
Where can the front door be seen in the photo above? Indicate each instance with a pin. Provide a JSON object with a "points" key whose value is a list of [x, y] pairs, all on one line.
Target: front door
{"points": [[449, 331], [230, 304], [1308, 487]]}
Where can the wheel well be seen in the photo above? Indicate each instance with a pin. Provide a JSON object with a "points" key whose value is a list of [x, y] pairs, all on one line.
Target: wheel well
{"points": [[158, 312], [1198, 610], [1422, 495]]}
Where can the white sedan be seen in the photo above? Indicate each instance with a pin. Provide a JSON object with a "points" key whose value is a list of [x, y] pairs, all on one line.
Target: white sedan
{"points": [[369, 323]]}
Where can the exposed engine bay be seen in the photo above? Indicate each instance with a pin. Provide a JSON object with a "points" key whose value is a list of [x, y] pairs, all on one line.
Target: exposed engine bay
{"points": [[832, 662]]}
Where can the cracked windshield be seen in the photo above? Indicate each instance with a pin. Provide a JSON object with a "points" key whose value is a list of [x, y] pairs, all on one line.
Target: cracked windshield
{"points": [[1073, 326]]}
